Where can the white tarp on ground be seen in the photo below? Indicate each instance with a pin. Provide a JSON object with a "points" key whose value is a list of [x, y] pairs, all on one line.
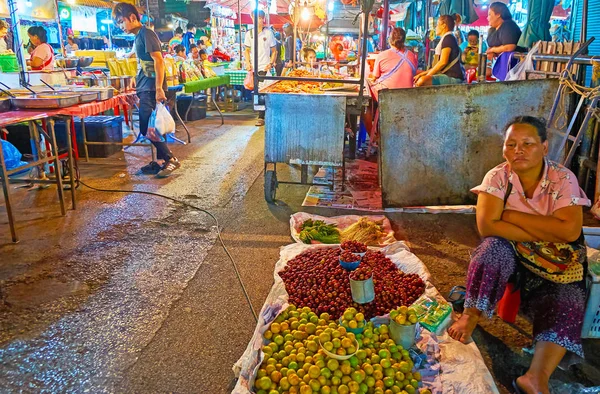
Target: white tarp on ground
{"points": [[342, 222], [453, 367]]}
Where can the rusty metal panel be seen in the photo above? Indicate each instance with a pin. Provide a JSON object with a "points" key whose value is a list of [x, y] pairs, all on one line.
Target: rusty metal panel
{"points": [[305, 129], [438, 142]]}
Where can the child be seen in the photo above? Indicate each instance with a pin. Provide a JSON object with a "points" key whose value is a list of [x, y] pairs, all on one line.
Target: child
{"points": [[470, 50], [180, 53]]}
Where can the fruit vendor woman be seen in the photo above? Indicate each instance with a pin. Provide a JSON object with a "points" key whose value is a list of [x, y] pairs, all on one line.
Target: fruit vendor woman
{"points": [[529, 213]]}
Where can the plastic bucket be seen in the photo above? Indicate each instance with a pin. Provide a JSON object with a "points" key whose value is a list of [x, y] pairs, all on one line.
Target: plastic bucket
{"points": [[403, 335], [363, 291]]}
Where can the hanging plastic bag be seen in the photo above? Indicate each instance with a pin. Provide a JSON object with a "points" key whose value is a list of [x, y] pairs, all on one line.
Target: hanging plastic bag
{"points": [[152, 134], [519, 72], [12, 156], [249, 81], [164, 122]]}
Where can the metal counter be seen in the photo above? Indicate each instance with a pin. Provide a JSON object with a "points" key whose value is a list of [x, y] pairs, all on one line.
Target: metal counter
{"points": [[439, 142]]}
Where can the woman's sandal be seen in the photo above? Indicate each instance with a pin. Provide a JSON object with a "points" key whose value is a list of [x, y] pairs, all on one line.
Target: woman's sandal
{"points": [[457, 298]]}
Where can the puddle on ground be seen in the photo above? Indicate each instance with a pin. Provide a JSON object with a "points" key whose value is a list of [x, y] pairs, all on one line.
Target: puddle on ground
{"points": [[31, 295]]}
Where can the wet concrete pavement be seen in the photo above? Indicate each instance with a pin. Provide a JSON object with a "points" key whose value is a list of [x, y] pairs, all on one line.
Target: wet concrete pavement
{"points": [[132, 293]]}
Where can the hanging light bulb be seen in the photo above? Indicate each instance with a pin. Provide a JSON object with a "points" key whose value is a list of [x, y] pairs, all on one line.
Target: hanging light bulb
{"points": [[305, 14], [330, 6]]}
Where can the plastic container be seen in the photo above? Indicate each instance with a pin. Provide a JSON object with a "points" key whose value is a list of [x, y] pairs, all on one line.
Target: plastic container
{"points": [[198, 110], [8, 63], [363, 291], [337, 356], [349, 266], [360, 254], [357, 330], [591, 320], [98, 129], [403, 335]]}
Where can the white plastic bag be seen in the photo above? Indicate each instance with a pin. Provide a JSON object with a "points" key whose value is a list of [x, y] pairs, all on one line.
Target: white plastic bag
{"points": [[164, 122], [519, 72]]}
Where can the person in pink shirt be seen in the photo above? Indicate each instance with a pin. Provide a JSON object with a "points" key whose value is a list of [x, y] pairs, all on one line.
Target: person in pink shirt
{"points": [[523, 202], [396, 67]]}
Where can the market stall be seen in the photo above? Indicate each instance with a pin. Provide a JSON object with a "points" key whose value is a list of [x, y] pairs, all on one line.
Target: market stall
{"points": [[296, 133], [327, 327]]}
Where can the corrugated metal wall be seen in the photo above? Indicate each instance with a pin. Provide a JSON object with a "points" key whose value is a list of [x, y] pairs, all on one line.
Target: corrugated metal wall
{"points": [[593, 27]]}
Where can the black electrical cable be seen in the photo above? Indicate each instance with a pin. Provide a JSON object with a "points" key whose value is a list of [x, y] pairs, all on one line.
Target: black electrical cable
{"points": [[237, 272]]}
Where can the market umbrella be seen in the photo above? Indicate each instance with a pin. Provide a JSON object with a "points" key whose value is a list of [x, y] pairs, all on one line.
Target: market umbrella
{"points": [[464, 8], [538, 22]]}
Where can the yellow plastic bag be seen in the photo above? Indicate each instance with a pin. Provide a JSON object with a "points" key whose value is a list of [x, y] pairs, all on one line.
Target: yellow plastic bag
{"points": [[113, 67]]}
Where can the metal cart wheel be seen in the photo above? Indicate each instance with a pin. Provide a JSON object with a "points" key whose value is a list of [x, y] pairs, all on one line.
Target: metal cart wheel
{"points": [[270, 186]]}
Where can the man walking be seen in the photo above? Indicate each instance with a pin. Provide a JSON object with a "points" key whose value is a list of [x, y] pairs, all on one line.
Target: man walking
{"points": [[267, 53], [150, 82]]}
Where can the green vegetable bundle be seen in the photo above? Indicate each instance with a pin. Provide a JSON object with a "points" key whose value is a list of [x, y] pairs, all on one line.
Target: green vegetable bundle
{"points": [[318, 230]]}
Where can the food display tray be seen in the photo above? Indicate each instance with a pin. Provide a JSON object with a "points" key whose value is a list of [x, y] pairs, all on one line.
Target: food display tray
{"points": [[45, 102]]}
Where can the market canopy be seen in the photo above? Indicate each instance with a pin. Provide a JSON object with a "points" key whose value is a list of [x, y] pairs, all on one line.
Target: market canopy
{"points": [[283, 6], [34, 10], [274, 20], [89, 3], [538, 22], [464, 8]]}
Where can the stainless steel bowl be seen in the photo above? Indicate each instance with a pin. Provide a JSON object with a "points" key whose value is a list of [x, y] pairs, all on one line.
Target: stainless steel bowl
{"points": [[81, 81], [85, 61], [67, 63]]}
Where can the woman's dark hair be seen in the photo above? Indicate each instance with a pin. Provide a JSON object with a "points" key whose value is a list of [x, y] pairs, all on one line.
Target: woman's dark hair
{"points": [[306, 51], [190, 26], [202, 52], [200, 42], [473, 33], [448, 20], [39, 32], [192, 46], [397, 38], [538, 123], [502, 10], [125, 10], [179, 48], [179, 30]]}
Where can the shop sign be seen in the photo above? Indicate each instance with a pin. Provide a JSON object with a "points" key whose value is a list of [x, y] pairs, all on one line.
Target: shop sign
{"points": [[64, 11]]}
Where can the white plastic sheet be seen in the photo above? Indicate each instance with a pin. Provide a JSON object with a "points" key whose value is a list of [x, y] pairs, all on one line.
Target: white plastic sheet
{"points": [[452, 366]]}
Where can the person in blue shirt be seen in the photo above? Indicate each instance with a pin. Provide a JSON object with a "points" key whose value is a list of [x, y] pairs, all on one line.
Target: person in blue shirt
{"points": [[189, 37]]}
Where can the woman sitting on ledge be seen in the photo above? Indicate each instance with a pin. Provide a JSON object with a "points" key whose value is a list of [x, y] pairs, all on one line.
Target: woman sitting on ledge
{"points": [[529, 213]]}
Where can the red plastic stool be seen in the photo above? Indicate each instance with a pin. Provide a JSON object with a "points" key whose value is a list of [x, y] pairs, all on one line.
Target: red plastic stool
{"points": [[508, 307]]}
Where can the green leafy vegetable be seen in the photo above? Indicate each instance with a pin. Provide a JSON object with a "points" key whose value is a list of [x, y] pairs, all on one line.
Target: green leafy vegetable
{"points": [[318, 230]]}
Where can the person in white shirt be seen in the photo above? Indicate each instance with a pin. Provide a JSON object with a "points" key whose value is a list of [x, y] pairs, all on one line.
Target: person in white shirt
{"points": [[267, 53], [3, 33], [71, 45]]}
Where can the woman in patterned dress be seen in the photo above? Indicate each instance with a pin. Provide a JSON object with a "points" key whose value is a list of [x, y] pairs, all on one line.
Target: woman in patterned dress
{"points": [[544, 204]]}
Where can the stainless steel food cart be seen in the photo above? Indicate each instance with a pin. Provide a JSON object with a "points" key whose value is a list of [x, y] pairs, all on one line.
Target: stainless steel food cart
{"points": [[306, 129]]}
